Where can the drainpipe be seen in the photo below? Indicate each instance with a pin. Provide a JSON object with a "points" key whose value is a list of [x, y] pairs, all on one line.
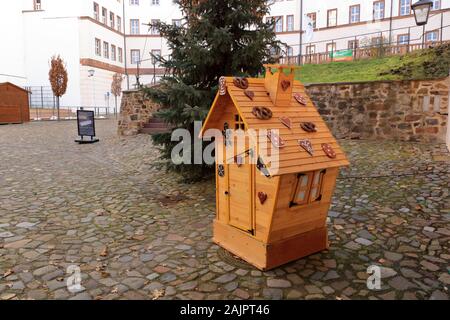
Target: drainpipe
{"points": [[301, 34], [125, 46]]}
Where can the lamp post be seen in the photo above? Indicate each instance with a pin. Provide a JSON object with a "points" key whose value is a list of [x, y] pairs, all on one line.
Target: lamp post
{"points": [[91, 73], [422, 10]]}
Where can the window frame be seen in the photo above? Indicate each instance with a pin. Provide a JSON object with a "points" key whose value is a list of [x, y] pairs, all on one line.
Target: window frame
{"points": [[384, 10], [292, 25], [307, 188], [37, 5], [96, 11], [138, 31], [436, 31], [120, 54], [105, 49], [400, 8], [238, 122], [350, 15], [104, 16], [311, 15], [131, 56], [113, 53], [402, 35], [98, 47], [328, 18]]}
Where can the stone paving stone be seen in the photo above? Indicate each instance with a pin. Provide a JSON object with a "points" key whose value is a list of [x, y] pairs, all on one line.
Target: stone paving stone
{"points": [[67, 214]]}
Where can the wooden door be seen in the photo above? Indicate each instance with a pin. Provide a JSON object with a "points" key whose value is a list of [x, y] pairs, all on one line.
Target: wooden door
{"points": [[240, 196]]}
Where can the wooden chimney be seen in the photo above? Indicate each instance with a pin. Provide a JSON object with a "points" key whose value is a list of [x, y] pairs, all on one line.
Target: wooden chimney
{"points": [[279, 83]]}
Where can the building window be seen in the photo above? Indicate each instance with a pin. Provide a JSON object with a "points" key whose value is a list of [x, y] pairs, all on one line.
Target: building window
{"points": [[238, 123], [134, 26], [432, 36], [105, 49], [278, 23], [332, 18], [308, 188], [311, 49], [135, 56], [156, 56], [98, 49], [155, 2], [113, 52], [405, 7], [355, 13], [313, 17], [120, 54], [37, 5], [112, 20], [331, 47], [290, 23], [104, 16], [119, 24], [378, 10], [96, 8], [176, 22], [403, 39], [377, 41], [290, 51], [353, 44], [436, 5], [154, 29], [134, 2]]}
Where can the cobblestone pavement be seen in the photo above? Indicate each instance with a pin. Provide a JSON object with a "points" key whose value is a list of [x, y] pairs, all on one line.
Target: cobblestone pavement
{"points": [[137, 233]]}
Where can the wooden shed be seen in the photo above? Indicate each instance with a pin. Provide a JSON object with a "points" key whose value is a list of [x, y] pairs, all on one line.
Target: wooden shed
{"points": [[270, 212], [14, 104]]}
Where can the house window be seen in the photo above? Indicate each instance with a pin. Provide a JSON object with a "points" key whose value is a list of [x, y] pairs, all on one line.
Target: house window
{"points": [[135, 56], [120, 54], [106, 49], [134, 26], [377, 41], [37, 5], [332, 18], [119, 24], [278, 23], [96, 8], [436, 5], [155, 2], [432, 36], [134, 2], [238, 123], [355, 13], [308, 188], [112, 20], [105, 16], [313, 17], [378, 10], [290, 23], [98, 49], [331, 47], [154, 29], [353, 44], [113, 52], [405, 7], [290, 51], [311, 49], [403, 39], [157, 56], [176, 22]]}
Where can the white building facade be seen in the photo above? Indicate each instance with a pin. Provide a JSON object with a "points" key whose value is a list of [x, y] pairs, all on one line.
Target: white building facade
{"points": [[102, 37]]}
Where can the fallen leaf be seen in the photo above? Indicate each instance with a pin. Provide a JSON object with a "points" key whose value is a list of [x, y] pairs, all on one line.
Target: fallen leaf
{"points": [[104, 253], [8, 273], [158, 293]]}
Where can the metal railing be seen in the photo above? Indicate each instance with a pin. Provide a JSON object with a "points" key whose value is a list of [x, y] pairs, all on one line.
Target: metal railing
{"points": [[70, 113]]}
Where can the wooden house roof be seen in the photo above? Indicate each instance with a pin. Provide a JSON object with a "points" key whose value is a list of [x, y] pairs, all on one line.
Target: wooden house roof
{"points": [[292, 157]]}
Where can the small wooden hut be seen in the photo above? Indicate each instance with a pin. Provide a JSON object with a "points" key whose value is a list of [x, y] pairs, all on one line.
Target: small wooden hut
{"points": [[14, 104], [272, 212]]}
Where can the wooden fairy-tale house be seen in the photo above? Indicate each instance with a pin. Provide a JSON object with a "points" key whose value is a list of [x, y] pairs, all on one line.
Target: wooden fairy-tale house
{"points": [[270, 212]]}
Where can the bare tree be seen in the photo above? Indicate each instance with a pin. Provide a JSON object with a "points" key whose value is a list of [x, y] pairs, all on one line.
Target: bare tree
{"points": [[116, 86], [58, 78]]}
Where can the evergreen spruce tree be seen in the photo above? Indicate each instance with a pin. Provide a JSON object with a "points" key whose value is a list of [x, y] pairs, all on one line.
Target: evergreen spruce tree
{"points": [[217, 38]]}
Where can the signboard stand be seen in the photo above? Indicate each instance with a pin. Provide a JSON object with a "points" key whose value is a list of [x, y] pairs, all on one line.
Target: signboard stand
{"points": [[86, 126]]}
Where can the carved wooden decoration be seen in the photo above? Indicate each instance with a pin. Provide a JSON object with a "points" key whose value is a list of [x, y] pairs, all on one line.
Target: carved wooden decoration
{"points": [[277, 142], [262, 113], [241, 83], [221, 170], [306, 144], [262, 197], [308, 127], [222, 86], [286, 121], [250, 94], [328, 150], [285, 84], [300, 99]]}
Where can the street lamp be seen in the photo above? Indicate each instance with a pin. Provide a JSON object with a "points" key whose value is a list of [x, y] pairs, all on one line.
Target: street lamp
{"points": [[422, 10]]}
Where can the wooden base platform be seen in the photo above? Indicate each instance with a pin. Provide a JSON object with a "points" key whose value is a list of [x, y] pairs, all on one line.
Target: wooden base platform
{"points": [[268, 256]]}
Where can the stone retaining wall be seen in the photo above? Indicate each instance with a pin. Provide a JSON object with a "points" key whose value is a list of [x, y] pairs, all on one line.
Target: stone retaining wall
{"points": [[399, 110], [135, 112]]}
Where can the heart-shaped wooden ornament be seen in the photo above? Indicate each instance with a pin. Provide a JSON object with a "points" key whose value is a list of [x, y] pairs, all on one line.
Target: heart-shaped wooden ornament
{"points": [[249, 94], [300, 99], [286, 121], [262, 197], [306, 144], [285, 84]]}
